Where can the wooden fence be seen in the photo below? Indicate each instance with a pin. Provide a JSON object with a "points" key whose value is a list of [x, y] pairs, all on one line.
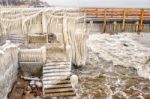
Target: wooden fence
{"points": [[120, 20]]}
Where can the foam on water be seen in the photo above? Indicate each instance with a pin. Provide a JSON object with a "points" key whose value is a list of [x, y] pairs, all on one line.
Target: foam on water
{"points": [[115, 69], [122, 50]]}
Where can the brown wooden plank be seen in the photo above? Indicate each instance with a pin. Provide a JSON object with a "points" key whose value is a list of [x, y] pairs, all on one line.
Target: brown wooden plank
{"points": [[57, 82], [56, 74], [114, 26], [141, 20], [123, 21], [59, 94], [59, 86], [104, 24], [58, 90], [116, 12], [59, 78]]}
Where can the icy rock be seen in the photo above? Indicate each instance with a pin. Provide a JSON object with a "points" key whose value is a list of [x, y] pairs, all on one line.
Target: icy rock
{"points": [[74, 81], [29, 88], [38, 84], [32, 82]]}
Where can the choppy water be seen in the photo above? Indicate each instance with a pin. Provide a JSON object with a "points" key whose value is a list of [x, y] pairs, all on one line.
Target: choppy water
{"points": [[101, 79]]}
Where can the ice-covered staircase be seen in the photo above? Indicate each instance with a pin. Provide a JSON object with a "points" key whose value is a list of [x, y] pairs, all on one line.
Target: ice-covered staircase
{"points": [[56, 79], [17, 38]]}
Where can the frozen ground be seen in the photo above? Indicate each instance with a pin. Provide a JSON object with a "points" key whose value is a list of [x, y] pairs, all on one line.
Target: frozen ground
{"points": [[117, 67]]}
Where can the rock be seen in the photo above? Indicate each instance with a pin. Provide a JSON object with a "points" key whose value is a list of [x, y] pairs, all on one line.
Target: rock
{"points": [[38, 84], [33, 86], [18, 83], [32, 83], [29, 88], [29, 96], [74, 81]]}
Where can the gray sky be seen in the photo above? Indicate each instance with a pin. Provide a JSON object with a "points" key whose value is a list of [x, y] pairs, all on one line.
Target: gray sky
{"points": [[102, 3]]}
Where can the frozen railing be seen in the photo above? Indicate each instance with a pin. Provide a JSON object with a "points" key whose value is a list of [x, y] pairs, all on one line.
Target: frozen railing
{"points": [[32, 55], [8, 67]]}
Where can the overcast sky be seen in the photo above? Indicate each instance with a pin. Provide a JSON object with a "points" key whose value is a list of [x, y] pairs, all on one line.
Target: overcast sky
{"points": [[102, 3]]}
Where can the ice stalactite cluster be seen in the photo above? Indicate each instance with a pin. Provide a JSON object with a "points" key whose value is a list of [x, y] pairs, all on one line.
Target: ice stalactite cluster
{"points": [[8, 67], [66, 23]]}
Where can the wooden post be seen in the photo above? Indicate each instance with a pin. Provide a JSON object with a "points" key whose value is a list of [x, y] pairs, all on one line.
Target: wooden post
{"points": [[137, 26], [141, 20], [123, 21], [104, 24], [91, 25], [115, 26], [96, 12]]}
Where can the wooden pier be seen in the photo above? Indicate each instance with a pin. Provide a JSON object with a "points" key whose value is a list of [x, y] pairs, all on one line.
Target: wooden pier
{"points": [[114, 20]]}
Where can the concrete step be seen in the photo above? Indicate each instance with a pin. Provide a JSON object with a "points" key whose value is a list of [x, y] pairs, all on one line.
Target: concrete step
{"points": [[55, 79], [55, 70], [55, 82], [57, 63], [58, 74], [57, 86], [55, 67], [46, 78], [39, 63]]}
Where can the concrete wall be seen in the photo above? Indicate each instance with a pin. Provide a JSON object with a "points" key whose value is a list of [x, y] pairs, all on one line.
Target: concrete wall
{"points": [[8, 68]]}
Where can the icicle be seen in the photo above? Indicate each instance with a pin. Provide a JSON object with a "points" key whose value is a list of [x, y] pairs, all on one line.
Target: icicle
{"points": [[44, 23], [63, 24]]}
